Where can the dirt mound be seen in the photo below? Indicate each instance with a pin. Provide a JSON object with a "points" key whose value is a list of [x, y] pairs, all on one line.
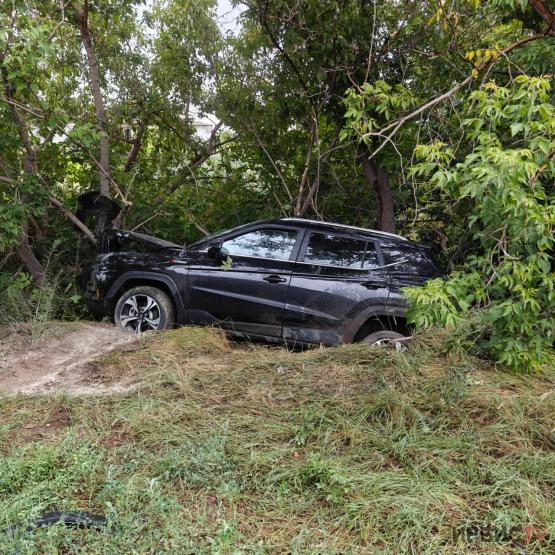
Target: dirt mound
{"points": [[60, 363]]}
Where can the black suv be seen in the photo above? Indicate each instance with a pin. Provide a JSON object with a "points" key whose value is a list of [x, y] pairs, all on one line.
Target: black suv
{"points": [[293, 280]]}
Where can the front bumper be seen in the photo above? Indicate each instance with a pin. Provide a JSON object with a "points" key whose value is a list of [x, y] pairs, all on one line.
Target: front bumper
{"points": [[97, 305], [94, 293]]}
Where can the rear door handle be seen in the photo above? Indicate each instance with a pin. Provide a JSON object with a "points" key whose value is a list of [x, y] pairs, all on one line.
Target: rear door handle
{"points": [[374, 284], [274, 278]]}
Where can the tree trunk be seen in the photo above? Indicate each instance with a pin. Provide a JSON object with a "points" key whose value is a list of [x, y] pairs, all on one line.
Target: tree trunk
{"points": [[379, 181], [546, 14], [82, 20], [137, 143], [30, 261]]}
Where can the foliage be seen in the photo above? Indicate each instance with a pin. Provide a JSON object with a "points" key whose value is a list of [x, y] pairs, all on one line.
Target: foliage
{"points": [[385, 102], [506, 182], [45, 73], [36, 305]]}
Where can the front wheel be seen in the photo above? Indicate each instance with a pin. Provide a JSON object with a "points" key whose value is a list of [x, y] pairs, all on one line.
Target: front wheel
{"points": [[387, 338], [144, 308]]}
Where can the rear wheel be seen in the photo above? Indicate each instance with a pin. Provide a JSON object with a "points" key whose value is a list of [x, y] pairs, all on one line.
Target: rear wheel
{"points": [[144, 308], [387, 338]]}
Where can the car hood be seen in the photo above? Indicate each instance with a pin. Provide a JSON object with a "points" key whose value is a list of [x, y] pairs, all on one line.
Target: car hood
{"points": [[144, 239]]}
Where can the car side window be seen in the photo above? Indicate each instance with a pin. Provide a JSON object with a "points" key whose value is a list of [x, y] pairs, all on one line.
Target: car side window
{"points": [[335, 250], [262, 243], [402, 258]]}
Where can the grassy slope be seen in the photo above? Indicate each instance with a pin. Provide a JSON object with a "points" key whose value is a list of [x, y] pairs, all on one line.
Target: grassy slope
{"points": [[245, 449]]}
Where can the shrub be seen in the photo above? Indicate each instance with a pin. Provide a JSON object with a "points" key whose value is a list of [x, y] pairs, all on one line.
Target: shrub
{"points": [[506, 182]]}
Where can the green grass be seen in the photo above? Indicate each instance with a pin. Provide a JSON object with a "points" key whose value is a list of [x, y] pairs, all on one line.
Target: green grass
{"points": [[241, 449]]}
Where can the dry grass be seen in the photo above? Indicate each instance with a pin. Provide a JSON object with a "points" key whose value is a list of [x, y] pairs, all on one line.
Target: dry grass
{"points": [[235, 448], [22, 335]]}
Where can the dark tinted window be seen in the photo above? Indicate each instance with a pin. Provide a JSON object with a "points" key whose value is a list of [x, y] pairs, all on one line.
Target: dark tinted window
{"points": [[262, 243], [409, 259], [334, 250]]}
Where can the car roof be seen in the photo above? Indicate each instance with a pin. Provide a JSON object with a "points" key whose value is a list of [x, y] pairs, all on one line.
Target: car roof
{"points": [[342, 227]]}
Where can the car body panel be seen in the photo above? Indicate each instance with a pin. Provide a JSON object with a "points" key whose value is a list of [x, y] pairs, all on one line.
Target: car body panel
{"points": [[289, 300], [248, 295], [322, 302], [238, 298], [324, 298], [147, 240]]}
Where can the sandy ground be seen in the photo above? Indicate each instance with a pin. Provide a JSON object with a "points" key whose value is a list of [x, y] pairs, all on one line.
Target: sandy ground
{"points": [[60, 363]]}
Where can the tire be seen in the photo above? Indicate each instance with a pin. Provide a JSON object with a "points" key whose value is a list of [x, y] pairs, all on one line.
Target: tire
{"points": [[386, 338], [78, 519], [144, 308]]}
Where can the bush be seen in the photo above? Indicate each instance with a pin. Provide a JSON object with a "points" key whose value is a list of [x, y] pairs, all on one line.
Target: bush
{"points": [[507, 180], [54, 299]]}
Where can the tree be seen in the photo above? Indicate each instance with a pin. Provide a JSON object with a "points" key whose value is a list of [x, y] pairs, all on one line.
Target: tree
{"points": [[81, 18], [60, 140], [295, 62]]}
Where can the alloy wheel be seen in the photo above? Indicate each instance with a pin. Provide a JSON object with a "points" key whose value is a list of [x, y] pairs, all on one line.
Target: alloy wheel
{"points": [[140, 313], [399, 346]]}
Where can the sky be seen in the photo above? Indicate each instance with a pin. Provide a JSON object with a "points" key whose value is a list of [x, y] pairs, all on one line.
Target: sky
{"points": [[227, 16]]}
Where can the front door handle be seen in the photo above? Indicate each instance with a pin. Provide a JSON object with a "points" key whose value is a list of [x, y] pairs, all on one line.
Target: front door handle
{"points": [[274, 278]]}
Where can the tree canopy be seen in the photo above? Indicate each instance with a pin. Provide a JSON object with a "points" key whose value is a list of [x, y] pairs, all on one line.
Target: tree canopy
{"points": [[433, 119]]}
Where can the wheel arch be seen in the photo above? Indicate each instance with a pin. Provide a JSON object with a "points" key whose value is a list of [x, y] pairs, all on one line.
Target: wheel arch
{"points": [[381, 322], [149, 279]]}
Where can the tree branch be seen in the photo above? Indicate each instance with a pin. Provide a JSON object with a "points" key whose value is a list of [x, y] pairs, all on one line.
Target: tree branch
{"points": [[82, 22], [304, 178], [322, 159], [263, 17], [395, 125], [23, 248], [137, 143], [268, 155], [199, 159], [74, 219]]}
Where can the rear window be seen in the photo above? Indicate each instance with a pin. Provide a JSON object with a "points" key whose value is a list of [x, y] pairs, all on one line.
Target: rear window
{"points": [[335, 250], [408, 259]]}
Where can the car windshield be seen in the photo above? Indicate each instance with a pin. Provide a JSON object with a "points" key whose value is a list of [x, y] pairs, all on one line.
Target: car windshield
{"points": [[207, 239]]}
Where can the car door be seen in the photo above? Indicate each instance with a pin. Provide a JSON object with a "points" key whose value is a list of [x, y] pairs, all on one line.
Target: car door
{"points": [[336, 277], [245, 289]]}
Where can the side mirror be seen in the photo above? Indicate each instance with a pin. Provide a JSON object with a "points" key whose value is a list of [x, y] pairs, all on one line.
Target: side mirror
{"points": [[214, 251]]}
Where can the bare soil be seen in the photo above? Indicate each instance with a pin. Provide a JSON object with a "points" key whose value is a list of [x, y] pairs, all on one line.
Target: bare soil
{"points": [[61, 362]]}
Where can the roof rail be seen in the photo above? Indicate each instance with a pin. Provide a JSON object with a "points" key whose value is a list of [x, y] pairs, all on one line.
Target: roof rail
{"points": [[343, 226]]}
